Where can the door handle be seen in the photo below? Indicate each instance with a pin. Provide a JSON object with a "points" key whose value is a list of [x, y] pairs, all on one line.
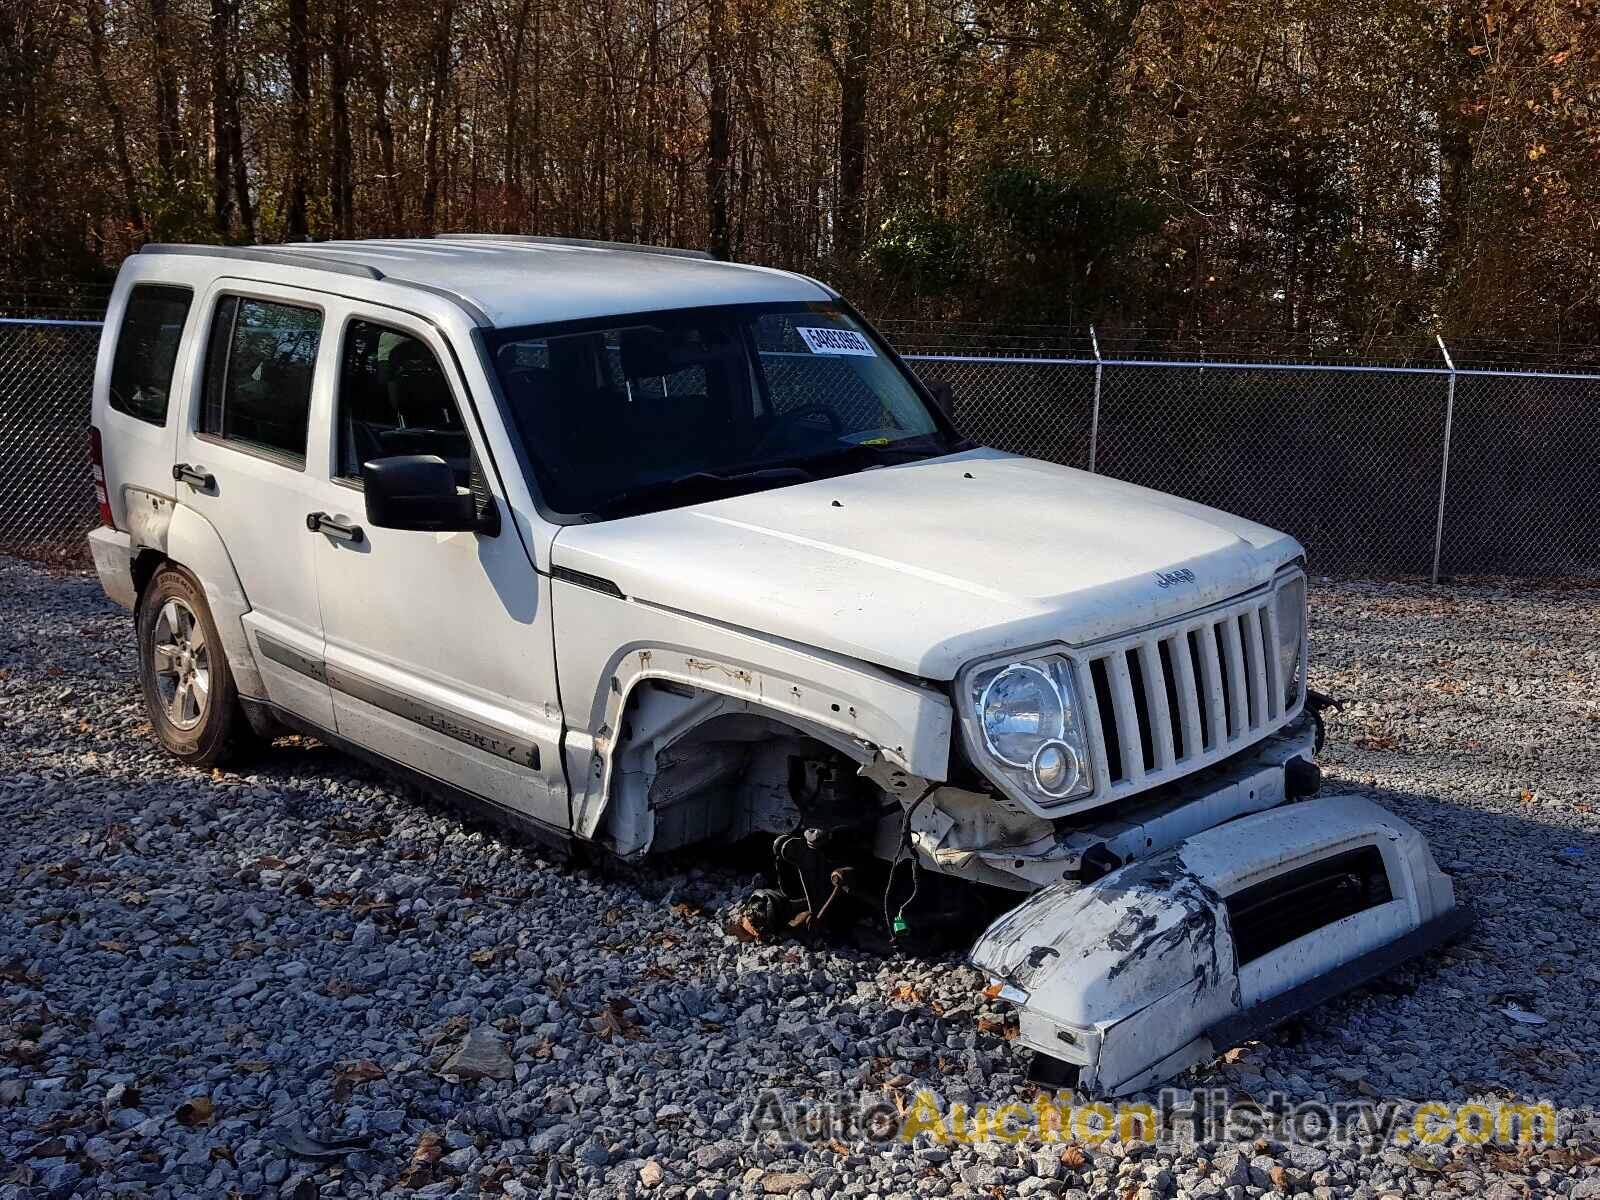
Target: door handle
{"points": [[195, 477], [321, 522]]}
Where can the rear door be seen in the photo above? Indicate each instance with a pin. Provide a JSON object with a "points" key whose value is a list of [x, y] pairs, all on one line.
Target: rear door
{"points": [[240, 463], [133, 410], [439, 646]]}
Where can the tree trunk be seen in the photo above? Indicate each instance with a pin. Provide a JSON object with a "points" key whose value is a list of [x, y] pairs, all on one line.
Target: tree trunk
{"points": [[1111, 27], [535, 209], [221, 142], [341, 184], [382, 126], [718, 131], [295, 227], [652, 134], [853, 78], [241, 168], [164, 78], [95, 20], [1457, 128], [511, 171], [438, 96]]}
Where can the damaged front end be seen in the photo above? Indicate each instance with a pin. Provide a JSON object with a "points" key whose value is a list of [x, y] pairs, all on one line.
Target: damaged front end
{"points": [[1157, 966]]}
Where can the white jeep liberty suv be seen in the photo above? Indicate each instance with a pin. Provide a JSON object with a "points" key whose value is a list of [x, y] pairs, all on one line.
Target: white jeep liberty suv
{"points": [[641, 549]]}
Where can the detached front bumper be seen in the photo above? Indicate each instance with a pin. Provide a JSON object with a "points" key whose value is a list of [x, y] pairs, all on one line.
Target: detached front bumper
{"points": [[1158, 965], [967, 834]]}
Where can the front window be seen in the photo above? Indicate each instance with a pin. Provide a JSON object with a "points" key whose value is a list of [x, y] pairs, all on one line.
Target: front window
{"points": [[647, 412]]}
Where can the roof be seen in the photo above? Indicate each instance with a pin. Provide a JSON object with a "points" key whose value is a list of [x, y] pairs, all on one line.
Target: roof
{"points": [[508, 281]]}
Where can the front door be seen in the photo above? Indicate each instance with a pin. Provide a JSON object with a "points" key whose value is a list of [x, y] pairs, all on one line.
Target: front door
{"points": [[439, 648], [241, 464]]}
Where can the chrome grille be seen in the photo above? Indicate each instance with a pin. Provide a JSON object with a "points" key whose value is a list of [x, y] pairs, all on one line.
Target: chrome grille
{"points": [[1170, 700]]}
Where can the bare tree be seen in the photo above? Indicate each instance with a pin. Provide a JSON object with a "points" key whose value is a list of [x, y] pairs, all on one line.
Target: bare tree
{"points": [[718, 130], [95, 27], [295, 228]]}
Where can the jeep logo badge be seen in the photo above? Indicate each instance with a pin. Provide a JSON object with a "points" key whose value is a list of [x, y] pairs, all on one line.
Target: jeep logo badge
{"points": [[1165, 579]]}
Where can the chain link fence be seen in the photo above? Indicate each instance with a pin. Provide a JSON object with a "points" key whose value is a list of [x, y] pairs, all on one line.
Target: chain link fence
{"points": [[1378, 469], [46, 373]]}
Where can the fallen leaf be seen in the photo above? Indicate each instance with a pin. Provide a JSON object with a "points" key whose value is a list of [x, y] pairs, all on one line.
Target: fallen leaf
{"points": [[419, 1171], [998, 1027], [744, 929], [484, 957], [557, 986], [614, 1020], [1280, 1179], [351, 1075], [686, 910], [1073, 1157], [339, 988], [992, 991], [115, 947], [905, 994], [196, 1110]]}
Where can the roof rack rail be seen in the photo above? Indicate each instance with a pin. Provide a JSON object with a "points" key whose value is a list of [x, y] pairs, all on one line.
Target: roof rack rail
{"points": [[584, 243], [282, 256]]}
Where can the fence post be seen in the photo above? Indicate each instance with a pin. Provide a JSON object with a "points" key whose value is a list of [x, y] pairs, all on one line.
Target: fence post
{"points": [[1444, 465], [1094, 414]]}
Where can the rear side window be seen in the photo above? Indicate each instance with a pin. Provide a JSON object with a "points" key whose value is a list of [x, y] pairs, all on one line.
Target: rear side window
{"points": [[259, 365], [147, 349], [394, 399]]}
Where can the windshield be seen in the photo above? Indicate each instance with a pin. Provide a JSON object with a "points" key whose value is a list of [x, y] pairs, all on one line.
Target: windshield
{"points": [[646, 412]]}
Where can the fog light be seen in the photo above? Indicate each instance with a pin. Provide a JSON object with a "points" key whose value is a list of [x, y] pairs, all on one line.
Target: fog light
{"points": [[1056, 768]]}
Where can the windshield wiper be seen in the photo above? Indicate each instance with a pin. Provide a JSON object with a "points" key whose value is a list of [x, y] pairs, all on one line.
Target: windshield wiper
{"points": [[788, 470], [699, 481], [883, 453]]}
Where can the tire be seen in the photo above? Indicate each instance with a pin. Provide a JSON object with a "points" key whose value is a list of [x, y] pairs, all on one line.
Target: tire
{"points": [[188, 687]]}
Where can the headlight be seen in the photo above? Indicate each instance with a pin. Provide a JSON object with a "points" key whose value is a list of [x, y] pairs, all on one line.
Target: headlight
{"points": [[1291, 614], [1026, 719]]}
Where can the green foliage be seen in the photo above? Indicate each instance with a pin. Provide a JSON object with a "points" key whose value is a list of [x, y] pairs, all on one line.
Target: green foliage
{"points": [[1037, 213], [923, 251]]}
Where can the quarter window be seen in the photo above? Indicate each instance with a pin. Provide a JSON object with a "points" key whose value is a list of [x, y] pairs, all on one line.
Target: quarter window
{"points": [[394, 399], [259, 366], [147, 349]]}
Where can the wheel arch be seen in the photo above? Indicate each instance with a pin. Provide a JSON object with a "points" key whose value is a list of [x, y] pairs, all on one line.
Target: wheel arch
{"points": [[895, 733], [187, 540]]}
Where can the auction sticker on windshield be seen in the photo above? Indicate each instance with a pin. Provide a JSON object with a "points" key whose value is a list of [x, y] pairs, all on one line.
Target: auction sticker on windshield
{"points": [[835, 341]]}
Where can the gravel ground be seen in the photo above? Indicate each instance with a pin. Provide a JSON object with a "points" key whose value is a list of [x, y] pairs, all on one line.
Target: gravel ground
{"points": [[206, 979]]}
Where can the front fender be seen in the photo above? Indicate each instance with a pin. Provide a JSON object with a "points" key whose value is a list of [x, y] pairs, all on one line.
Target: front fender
{"points": [[608, 646]]}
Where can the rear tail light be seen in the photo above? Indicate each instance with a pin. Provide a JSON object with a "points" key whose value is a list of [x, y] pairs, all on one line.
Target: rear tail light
{"points": [[97, 469]]}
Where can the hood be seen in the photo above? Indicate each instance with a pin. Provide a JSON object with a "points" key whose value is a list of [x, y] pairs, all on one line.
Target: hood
{"points": [[927, 566]]}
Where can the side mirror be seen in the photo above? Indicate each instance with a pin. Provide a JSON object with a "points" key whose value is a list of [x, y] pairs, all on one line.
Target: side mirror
{"points": [[944, 395], [417, 491]]}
